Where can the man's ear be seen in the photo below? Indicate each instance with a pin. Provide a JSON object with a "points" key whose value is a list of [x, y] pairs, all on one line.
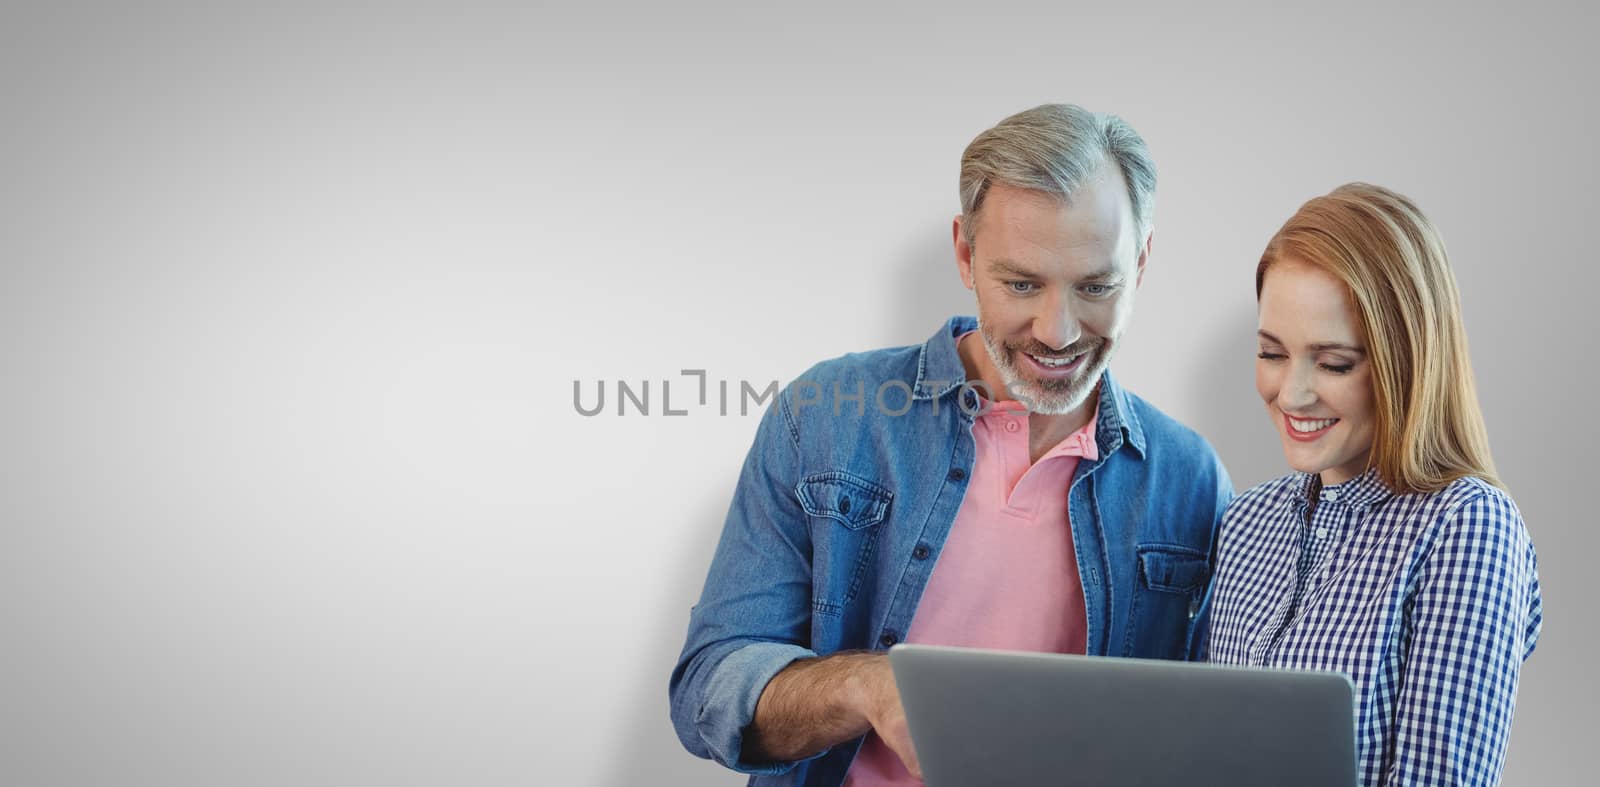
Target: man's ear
{"points": [[1144, 255], [964, 253]]}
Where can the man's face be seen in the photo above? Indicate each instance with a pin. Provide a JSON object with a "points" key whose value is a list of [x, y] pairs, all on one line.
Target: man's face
{"points": [[1055, 283]]}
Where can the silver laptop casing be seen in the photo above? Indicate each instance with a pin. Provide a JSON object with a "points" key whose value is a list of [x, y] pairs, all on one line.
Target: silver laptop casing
{"points": [[992, 718]]}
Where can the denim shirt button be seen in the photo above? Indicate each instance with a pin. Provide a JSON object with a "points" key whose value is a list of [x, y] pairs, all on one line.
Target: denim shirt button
{"points": [[888, 639], [921, 552], [844, 505], [957, 474]]}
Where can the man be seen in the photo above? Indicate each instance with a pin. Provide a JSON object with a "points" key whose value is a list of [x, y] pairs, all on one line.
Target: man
{"points": [[993, 487]]}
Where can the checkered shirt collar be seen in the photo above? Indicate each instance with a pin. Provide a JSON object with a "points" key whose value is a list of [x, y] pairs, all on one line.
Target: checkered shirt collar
{"points": [[1362, 492]]}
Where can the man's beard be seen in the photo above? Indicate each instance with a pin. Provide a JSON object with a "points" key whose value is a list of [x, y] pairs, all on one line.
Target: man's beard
{"points": [[1047, 397]]}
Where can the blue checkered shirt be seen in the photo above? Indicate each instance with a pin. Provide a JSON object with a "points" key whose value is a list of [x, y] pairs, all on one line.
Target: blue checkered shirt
{"points": [[1429, 602]]}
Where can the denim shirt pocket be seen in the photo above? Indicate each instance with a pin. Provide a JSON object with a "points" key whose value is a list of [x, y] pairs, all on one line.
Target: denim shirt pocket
{"points": [[845, 510], [1173, 569], [1172, 582]]}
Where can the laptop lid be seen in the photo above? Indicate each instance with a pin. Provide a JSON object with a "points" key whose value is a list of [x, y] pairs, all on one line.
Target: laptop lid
{"points": [[983, 717]]}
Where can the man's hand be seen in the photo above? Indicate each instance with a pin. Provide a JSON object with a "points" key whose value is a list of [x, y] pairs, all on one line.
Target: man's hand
{"points": [[880, 698], [816, 703]]}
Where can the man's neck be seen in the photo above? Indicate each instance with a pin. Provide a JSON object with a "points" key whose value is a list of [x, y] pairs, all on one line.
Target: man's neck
{"points": [[1045, 431]]}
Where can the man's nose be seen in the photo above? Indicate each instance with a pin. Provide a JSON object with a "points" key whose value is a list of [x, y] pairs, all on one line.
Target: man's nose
{"points": [[1056, 326]]}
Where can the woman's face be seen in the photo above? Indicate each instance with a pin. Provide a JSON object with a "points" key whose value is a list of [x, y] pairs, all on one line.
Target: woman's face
{"points": [[1312, 371]]}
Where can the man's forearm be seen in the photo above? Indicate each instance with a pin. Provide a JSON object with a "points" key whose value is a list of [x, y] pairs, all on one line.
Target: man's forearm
{"points": [[813, 704]]}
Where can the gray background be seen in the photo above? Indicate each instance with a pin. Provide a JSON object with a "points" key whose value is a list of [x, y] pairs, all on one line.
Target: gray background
{"points": [[291, 302]]}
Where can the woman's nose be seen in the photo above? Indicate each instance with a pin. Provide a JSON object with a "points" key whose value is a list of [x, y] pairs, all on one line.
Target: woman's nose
{"points": [[1297, 392]]}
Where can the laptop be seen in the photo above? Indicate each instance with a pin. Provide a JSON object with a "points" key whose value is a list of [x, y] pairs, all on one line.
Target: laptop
{"points": [[991, 718]]}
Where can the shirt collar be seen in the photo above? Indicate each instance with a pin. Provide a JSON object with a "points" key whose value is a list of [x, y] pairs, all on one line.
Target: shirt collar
{"points": [[1363, 491], [1081, 443], [939, 372], [939, 369]]}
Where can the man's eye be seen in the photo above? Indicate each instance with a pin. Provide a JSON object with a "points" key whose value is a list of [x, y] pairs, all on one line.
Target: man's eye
{"points": [[1022, 287], [1096, 290]]}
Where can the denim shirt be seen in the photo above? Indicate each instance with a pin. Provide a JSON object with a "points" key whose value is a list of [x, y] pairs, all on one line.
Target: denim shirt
{"points": [[844, 504]]}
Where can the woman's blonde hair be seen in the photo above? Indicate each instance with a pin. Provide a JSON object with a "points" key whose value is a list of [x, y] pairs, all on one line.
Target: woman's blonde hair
{"points": [[1429, 429]]}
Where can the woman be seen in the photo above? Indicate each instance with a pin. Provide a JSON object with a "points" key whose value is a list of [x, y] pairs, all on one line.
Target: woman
{"points": [[1393, 554]]}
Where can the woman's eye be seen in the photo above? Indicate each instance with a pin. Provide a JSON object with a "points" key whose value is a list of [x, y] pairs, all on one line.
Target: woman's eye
{"points": [[1269, 356], [1338, 368]]}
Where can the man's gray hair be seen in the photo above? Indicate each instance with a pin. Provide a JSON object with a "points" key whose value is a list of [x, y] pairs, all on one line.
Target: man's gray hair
{"points": [[1055, 148]]}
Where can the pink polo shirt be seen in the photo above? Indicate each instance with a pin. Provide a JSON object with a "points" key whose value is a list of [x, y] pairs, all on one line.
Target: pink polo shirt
{"points": [[1007, 577]]}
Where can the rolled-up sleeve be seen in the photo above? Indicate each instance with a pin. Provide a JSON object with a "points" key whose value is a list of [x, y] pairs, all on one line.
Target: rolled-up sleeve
{"points": [[754, 614]]}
